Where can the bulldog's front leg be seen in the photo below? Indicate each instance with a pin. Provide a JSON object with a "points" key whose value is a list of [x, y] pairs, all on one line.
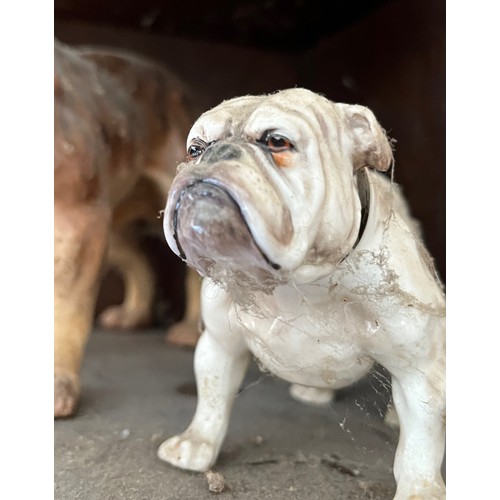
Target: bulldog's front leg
{"points": [[419, 398], [220, 364]]}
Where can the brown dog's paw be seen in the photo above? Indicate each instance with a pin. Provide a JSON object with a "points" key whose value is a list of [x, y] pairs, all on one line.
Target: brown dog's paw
{"points": [[121, 318], [184, 334], [66, 395]]}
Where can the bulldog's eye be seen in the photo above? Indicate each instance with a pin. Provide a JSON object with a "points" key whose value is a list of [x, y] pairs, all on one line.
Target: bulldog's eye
{"points": [[275, 143], [279, 146], [196, 149]]}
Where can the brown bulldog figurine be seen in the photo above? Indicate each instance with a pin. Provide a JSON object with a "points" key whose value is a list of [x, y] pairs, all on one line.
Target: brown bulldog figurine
{"points": [[120, 126]]}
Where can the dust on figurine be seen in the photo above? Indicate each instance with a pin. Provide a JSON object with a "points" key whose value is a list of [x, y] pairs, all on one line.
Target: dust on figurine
{"points": [[312, 264]]}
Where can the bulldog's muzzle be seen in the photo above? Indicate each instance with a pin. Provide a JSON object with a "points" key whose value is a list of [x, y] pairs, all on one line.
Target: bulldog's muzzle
{"points": [[210, 230]]}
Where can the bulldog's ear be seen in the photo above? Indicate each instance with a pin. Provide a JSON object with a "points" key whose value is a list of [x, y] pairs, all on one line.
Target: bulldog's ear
{"points": [[371, 146]]}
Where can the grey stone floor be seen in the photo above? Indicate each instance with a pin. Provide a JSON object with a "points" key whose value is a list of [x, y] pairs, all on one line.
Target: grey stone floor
{"points": [[137, 391]]}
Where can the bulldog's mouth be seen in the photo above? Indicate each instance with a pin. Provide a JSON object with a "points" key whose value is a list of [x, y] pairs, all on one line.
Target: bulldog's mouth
{"points": [[210, 231]]}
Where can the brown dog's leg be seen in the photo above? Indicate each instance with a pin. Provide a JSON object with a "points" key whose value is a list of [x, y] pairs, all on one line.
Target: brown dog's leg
{"points": [[187, 331], [139, 286], [80, 238]]}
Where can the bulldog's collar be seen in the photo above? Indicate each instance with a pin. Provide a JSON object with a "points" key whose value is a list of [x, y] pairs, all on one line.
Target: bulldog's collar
{"points": [[363, 185]]}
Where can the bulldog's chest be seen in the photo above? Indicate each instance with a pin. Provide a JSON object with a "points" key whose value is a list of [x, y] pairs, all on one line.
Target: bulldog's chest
{"points": [[307, 341]]}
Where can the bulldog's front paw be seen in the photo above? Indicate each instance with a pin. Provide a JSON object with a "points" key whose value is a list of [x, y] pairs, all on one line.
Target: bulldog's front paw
{"points": [[188, 452], [425, 491], [123, 318], [66, 394], [311, 395]]}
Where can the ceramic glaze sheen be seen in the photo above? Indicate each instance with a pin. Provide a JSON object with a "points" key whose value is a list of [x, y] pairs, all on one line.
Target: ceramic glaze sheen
{"points": [[313, 265]]}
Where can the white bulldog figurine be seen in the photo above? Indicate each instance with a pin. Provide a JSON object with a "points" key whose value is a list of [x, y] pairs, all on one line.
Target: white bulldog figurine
{"points": [[313, 265]]}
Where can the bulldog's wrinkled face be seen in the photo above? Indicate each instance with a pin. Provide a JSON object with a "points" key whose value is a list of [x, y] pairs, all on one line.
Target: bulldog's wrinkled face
{"points": [[268, 186]]}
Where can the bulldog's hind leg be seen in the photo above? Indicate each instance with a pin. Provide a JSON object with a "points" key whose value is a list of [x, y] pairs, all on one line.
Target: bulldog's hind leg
{"points": [[391, 417], [80, 238], [139, 285], [187, 331], [219, 368], [312, 395]]}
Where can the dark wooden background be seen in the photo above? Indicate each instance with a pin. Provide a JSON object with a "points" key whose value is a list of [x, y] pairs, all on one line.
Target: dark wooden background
{"points": [[387, 55]]}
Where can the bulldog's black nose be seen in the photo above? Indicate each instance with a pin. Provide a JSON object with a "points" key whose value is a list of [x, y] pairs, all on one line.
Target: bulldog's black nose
{"points": [[221, 151]]}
